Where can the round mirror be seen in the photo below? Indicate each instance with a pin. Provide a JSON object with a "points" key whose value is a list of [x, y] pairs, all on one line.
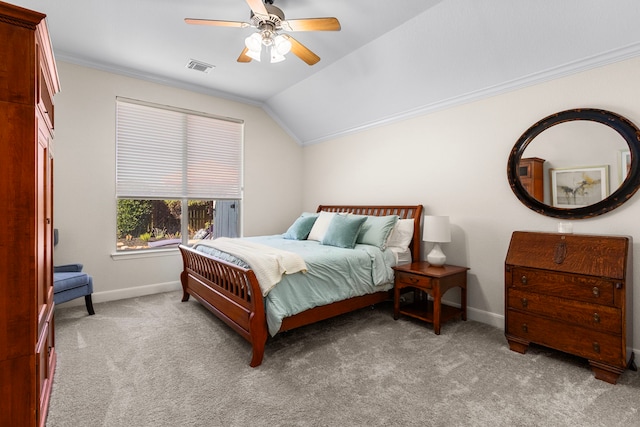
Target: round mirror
{"points": [[576, 163]]}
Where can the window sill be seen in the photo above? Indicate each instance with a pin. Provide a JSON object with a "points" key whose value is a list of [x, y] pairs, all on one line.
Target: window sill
{"points": [[145, 253]]}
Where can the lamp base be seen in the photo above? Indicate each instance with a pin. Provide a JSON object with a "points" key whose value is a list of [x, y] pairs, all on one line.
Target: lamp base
{"points": [[436, 257]]}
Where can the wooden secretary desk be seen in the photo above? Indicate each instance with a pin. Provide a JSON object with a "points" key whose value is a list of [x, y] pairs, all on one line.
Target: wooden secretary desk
{"points": [[573, 293], [28, 81]]}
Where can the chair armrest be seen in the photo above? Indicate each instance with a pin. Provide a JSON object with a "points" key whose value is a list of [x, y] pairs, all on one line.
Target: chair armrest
{"points": [[67, 268]]}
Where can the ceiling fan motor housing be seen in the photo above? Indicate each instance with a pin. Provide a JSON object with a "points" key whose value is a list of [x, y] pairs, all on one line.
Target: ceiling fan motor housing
{"points": [[275, 18]]}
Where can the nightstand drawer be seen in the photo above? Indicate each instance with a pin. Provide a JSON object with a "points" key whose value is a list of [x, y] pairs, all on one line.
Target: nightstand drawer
{"points": [[414, 280]]}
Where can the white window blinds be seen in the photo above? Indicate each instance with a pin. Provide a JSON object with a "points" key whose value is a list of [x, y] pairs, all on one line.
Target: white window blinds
{"points": [[172, 154]]}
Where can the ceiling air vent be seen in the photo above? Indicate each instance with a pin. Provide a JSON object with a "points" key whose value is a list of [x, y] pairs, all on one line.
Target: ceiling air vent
{"points": [[199, 66]]}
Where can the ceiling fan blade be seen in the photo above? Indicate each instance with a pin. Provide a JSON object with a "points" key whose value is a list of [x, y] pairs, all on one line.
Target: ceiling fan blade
{"points": [[216, 22], [243, 56], [302, 52], [311, 24], [258, 8]]}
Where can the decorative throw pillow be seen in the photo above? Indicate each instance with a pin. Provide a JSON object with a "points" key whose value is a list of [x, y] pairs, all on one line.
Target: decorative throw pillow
{"points": [[321, 225], [343, 231], [376, 230], [401, 235], [300, 228]]}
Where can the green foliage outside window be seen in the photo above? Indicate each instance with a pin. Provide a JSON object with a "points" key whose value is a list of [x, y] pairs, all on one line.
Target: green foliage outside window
{"points": [[146, 224], [133, 217]]}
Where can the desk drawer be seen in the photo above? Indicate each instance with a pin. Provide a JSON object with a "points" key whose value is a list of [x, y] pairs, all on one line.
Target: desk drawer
{"points": [[584, 342], [405, 279], [592, 316], [571, 286]]}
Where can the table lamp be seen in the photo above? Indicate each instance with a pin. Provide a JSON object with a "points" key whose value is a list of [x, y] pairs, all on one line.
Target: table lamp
{"points": [[436, 230]]}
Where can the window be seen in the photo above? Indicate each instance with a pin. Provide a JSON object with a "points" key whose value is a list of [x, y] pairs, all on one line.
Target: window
{"points": [[171, 162]]}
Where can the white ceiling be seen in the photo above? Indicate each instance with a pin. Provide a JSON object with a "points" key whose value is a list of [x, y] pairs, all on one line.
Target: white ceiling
{"points": [[392, 59]]}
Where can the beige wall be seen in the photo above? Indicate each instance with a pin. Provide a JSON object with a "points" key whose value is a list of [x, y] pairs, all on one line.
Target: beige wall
{"points": [[84, 174], [454, 163]]}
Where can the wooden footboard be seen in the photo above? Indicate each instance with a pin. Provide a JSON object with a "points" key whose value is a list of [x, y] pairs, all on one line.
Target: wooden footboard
{"points": [[230, 292]]}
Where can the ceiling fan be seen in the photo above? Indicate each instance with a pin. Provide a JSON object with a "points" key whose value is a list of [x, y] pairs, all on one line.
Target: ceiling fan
{"points": [[269, 21]]}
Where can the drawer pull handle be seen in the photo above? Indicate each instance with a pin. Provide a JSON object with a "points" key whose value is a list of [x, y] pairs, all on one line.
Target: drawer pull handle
{"points": [[596, 317], [525, 328], [618, 285], [596, 347], [524, 302], [596, 291], [523, 279]]}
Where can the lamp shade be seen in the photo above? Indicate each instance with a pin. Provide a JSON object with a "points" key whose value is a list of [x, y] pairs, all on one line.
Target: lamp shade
{"points": [[275, 55], [253, 42], [282, 44], [436, 229], [253, 54]]}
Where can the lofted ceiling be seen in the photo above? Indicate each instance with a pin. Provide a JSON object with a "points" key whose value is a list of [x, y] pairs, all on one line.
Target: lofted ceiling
{"points": [[391, 59]]}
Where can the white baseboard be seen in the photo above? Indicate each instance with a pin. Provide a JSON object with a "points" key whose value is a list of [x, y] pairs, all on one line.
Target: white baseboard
{"points": [[481, 316], [487, 317], [134, 292]]}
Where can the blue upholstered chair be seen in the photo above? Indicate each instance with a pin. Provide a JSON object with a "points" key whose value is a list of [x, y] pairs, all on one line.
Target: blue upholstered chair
{"points": [[69, 282]]}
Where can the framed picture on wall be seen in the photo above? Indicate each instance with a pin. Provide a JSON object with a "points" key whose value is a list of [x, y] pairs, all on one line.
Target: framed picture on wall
{"points": [[576, 187]]}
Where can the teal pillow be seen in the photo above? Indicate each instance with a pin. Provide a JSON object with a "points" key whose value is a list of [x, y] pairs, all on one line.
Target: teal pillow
{"points": [[343, 231], [300, 228], [376, 230]]}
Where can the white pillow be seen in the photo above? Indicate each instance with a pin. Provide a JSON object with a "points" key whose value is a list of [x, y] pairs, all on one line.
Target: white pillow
{"points": [[402, 257], [401, 234], [321, 226]]}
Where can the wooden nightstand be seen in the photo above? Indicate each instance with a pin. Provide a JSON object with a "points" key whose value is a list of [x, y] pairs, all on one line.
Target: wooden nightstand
{"points": [[434, 281]]}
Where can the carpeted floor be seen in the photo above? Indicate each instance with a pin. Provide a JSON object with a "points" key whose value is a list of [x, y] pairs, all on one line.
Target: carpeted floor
{"points": [[155, 361]]}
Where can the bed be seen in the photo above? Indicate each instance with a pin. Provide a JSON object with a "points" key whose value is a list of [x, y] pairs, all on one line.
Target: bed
{"points": [[232, 292]]}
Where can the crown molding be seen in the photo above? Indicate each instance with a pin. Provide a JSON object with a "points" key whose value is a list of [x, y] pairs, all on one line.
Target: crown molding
{"points": [[153, 78], [574, 67]]}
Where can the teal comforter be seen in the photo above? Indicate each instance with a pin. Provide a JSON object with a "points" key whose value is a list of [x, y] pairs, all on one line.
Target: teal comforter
{"points": [[333, 274]]}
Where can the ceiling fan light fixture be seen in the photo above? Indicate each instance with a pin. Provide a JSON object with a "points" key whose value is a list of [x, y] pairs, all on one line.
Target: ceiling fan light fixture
{"points": [[276, 56], [282, 45], [254, 43], [254, 54], [267, 37]]}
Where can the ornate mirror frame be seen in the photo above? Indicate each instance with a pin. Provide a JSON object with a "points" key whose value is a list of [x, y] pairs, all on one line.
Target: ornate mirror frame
{"points": [[629, 186]]}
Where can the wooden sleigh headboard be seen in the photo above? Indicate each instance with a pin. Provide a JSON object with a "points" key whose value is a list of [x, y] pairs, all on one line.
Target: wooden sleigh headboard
{"points": [[404, 212]]}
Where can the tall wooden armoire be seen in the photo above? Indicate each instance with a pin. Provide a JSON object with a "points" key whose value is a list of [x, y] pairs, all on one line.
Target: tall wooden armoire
{"points": [[28, 81], [530, 172]]}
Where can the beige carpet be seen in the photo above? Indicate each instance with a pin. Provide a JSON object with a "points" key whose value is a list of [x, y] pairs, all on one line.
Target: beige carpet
{"points": [[155, 361]]}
